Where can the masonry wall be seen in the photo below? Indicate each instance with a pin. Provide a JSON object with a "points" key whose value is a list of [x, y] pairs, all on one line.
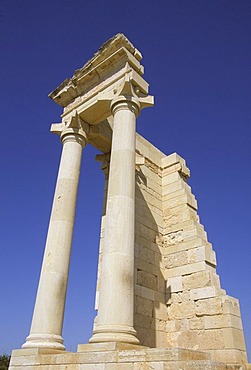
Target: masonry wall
{"points": [[179, 301]]}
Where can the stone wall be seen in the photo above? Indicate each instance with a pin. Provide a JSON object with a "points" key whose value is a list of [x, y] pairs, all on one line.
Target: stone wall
{"points": [[178, 298]]}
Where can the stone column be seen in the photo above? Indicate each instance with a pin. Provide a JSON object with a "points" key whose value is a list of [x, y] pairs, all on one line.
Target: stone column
{"points": [[116, 299], [47, 322]]}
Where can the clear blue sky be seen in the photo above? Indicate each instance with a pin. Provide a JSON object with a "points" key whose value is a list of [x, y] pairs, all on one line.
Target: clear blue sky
{"points": [[197, 58]]}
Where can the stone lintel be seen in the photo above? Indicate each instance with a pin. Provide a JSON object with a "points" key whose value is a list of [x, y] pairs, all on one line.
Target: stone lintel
{"points": [[94, 106]]}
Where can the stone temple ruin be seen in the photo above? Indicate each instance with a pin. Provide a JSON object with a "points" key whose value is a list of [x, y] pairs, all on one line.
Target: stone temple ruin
{"points": [[159, 301]]}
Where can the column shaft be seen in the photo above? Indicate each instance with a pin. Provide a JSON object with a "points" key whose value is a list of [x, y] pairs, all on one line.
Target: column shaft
{"points": [[47, 322], [116, 299]]}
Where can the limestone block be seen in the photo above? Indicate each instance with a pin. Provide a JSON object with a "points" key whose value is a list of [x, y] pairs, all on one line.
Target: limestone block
{"points": [[205, 253], [148, 223], [149, 174], [154, 209], [179, 198], [177, 215], [144, 292], [182, 325], [186, 269], [185, 245], [174, 284], [141, 366], [208, 307], [180, 297], [234, 339], [150, 198], [153, 184], [176, 259], [143, 242], [94, 367], [188, 339], [176, 189], [172, 339], [211, 339], [132, 356], [147, 255], [144, 306], [146, 336], [196, 280], [223, 321], [181, 310], [116, 366], [160, 297], [230, 356], [173, 159], [148, 267], [172, 187], [170, 178], [160, 311], [202, 293], [196, 323], [143, 321], [173, 238], [231, 305], [158, 219], [161, 340], [161, 284], [159, 325], [171, 326], [195, 231]]}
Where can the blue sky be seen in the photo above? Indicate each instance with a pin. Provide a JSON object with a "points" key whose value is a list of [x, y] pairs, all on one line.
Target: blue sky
{"points": [[197, 61]]}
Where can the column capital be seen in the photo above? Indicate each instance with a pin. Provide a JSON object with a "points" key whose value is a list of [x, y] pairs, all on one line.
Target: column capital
{"points": [[125, 102], [129, 95], [72, 129], [74, 135]]}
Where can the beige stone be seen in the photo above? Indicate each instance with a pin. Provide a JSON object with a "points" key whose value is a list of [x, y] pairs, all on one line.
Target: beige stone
{"points": [[197, 323], [210, 306], [222, 321], [202, 293], [196, 280], [174, 284], [186, 269], [181, 310], [234, 339], [147, 279], [144, 306]]}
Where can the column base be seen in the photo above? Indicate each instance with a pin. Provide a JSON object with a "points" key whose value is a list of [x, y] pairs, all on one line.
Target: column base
{"points": [[113, 333], [47, 341]]}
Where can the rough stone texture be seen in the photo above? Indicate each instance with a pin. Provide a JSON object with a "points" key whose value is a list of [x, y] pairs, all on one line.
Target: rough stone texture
{"points": [[178, 297], [113, 356]]}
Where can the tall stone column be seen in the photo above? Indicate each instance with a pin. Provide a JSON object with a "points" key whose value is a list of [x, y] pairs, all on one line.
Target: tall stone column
{"points": [[116, 299], [47, 322]]}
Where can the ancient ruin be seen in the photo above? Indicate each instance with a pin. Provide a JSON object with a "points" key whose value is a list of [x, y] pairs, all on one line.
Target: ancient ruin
{"points": [[159, 301]]}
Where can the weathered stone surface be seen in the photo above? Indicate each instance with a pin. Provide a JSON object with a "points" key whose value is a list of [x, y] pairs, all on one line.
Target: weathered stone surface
{"points": [[207, 307], [202, 293], [174, 284], [144, 306], [147, 279], [197, 323], [196, 280], [181, 310]]}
